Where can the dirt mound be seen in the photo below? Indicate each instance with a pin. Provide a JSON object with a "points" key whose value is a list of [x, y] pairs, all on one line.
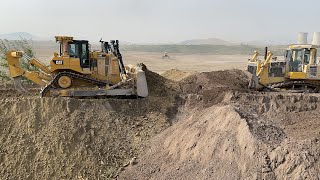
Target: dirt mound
{"points": [[160, 86], [209, 81], [228, 132], [212, 144], [176, 75], [209, 88], [219, 143]]}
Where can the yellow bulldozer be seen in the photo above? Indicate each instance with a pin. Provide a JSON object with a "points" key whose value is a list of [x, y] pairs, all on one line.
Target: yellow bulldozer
{"points": [[76, 71], [299, 71]]}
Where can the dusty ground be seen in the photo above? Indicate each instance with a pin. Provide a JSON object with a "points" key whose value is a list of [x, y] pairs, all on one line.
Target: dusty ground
{"points": [[183, 62], [188, 63], [192, 126]]}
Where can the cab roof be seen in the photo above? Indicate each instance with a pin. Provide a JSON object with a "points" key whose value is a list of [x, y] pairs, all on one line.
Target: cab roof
{"points": [[303, 46]]}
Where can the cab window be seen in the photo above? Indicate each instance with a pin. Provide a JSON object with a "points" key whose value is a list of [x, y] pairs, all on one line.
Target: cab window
{"points": [[79, 49], [73, 50], [84, 56]]}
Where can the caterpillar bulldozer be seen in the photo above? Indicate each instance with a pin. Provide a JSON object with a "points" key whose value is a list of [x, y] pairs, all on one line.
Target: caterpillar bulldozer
{"points": [[76, 71], [299, 71]]}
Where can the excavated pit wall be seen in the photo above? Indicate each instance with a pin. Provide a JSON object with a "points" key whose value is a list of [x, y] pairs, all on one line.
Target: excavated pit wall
{"points": [[69, 138]]}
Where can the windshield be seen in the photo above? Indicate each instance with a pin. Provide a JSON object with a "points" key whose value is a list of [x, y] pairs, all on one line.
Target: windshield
{"points": [[73, 50], [298, 58]]}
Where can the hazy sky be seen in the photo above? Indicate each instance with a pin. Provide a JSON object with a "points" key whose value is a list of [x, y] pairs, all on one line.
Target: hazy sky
{"points": [[161, 21]]}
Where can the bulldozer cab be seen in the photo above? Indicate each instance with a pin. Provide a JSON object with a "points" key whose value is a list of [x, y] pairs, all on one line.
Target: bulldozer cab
{"points": [[75, 49], [298, 57], [80, 49]]}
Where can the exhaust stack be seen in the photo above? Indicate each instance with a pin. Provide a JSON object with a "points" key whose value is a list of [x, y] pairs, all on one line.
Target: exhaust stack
{"points": [[265, 53]]}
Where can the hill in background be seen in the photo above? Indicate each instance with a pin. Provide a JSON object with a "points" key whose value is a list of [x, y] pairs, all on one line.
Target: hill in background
{"points": [[196, 46], [17, 36], [209, 41]]}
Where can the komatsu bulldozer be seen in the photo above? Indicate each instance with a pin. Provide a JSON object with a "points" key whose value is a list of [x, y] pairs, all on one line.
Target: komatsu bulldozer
{"points": [[299, 71], [76, 71]]}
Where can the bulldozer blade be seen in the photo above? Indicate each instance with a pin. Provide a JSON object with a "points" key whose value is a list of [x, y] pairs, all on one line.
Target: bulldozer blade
{"points": [[142, 86], [18, 86], [254, 82]]}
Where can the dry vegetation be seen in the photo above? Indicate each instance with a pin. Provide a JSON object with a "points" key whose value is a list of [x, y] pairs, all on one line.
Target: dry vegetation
{"points": [[17, 45]]}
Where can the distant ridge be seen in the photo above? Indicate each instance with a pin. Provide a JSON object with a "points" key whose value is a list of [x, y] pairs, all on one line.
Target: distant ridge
{"points": [[270, 42], [17, 36], [209, 41]]}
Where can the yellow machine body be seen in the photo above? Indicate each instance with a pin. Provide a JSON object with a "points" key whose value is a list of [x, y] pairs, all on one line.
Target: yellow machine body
{"points": [[106, 67], [100, 65], [76, 66], [299, 68]]}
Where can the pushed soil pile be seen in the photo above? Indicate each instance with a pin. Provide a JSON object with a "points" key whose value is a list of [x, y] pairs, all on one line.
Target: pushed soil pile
{"points": [[210, 88], [225, 131], [176, 75]]}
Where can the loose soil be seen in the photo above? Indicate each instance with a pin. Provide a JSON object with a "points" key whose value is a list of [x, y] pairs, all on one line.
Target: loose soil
{"points": [[192, 126], [225, 131]]}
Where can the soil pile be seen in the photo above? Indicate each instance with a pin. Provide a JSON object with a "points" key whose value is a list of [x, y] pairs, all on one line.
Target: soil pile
{"points": [[225, 131], [176, 75], [205, 89]]}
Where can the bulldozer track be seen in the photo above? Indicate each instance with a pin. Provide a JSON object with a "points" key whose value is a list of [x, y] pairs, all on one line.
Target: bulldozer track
{"points": [[73, 76], [291, 84]]}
